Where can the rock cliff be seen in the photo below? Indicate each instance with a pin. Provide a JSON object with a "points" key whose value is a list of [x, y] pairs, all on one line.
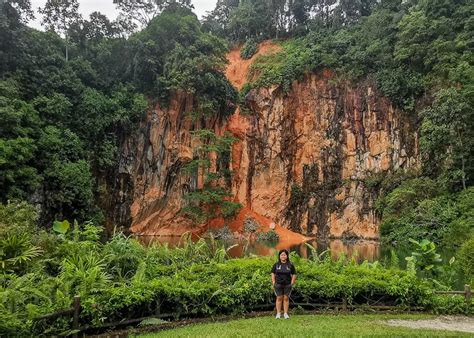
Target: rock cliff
{"points": [[303, 158]]}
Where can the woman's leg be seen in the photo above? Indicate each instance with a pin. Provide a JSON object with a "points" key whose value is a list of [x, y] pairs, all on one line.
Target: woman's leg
{"points": [[278, 303], [286, 303]]}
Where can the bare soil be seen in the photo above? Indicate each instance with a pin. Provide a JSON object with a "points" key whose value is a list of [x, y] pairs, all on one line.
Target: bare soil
{"points": [[449, 323]]}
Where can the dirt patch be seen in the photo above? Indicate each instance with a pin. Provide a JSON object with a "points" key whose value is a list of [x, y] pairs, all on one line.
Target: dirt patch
{"points": [[449, 323], [238, 68]]}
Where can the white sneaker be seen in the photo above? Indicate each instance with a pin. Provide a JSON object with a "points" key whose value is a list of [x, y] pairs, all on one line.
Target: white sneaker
{"points": [[286, 316], [278, 316]]}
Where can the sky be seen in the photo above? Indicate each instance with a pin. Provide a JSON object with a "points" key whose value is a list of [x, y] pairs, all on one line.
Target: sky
{"points": [[107, 7]]}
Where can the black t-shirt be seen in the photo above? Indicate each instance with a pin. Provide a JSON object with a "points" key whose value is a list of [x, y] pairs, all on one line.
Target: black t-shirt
{"points": [[283, 272]]}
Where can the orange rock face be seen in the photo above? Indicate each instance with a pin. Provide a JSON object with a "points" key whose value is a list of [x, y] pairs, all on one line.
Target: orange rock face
{"points": [[312, 150], [300, 161]]}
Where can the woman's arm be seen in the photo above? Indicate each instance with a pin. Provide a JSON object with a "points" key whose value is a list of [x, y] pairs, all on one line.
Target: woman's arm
{"points": [[273, 278], [293, 279]]}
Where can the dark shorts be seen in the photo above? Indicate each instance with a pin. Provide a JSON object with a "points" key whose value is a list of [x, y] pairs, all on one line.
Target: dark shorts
{"points": [[282, 290]]}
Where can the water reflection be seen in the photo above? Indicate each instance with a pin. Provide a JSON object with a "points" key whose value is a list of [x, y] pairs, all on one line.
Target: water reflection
{"points": [[361, 249]]}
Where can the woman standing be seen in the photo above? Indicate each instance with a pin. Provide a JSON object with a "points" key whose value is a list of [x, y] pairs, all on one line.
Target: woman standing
{"points": [[283, 278]]}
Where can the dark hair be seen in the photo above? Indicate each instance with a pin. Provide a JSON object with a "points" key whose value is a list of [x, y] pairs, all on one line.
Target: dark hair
{"points": [[287, 255]]}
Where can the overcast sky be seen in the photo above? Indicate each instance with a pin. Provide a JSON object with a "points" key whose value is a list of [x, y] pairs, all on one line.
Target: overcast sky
{"points": [[107, 7]]}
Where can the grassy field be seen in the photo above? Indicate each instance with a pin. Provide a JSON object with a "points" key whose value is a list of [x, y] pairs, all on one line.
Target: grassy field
{"points": [[309, 326]]}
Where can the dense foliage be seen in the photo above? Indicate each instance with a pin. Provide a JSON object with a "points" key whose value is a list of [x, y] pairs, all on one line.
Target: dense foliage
{"points": [[249, 48], [264, 19], [385, 46], [67, 104], [42, 270]]}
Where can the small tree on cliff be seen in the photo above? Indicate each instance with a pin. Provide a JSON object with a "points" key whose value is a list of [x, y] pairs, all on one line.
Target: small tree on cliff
{"points": [[212, 197]]}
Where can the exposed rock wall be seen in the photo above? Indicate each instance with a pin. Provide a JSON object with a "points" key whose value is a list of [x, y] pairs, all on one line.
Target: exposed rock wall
{"points": [[307, 155], [302, 158], [150, 184]]}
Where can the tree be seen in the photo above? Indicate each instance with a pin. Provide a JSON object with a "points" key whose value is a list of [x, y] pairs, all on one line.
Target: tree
{"points": [[447, 136], [173, 54], [59, 16], [19, 127], [251, 19], [280, 16], [92, 31], [212, 200], [299, 10], [348, 12], [18, 179], [68, 189], [139, 13], [20, 9], [217, 21]]}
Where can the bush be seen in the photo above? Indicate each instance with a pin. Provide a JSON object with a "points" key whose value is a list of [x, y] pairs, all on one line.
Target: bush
{"points": [[122, 279], [465, 258], [420, 208], [281, 68], [462, 228], [250, 225], [249, 48], [17, 217], [223, 233], [450, 305], [268, 236], [124, 256]]}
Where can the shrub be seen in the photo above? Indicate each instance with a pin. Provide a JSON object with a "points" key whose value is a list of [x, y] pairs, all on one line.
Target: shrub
{"points": [[223, 233], [250, 225], [17, 217], [268, 236], [465, 258], [249, 48]]}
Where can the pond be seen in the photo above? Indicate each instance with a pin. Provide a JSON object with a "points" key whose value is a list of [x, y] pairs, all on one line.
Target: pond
{"points": [[361, 250]]}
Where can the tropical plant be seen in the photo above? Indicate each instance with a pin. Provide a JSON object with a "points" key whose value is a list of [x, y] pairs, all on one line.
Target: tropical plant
{"points": [[465, 259], [212, 200], [16, 251], [425, 258], [85, 275]]}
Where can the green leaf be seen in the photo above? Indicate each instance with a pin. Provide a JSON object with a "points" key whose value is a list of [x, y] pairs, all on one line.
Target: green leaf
{"points": [[61, 227]]}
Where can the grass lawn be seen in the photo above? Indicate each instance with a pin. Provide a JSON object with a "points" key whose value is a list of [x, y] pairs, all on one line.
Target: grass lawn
{"points": [[309, 326]]}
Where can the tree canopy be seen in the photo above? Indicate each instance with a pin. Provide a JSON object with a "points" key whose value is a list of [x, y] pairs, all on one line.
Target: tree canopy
{"points": [[65, 114]]}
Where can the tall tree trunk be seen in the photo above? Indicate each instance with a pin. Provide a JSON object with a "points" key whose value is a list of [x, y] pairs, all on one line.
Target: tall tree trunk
{"points": [[67, 47]]}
